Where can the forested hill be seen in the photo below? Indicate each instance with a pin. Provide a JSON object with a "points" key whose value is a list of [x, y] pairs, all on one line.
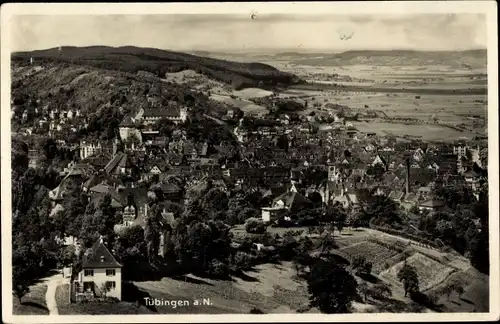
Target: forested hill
{"points": [[159, 62]]}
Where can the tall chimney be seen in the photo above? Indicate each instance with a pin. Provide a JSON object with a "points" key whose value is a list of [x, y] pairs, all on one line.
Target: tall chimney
{"points": [[407, 176]]}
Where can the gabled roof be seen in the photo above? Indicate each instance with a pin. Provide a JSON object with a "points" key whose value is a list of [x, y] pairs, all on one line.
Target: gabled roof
{"points": [[98, 256], [101, 188], [432, 203], [113, 163], [293, 200]]}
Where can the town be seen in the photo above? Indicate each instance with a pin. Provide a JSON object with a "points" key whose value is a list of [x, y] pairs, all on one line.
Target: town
{"points": [[131, 187]]}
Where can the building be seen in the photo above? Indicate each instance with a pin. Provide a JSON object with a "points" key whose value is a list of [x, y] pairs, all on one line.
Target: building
{"points": [[33, 158], [171, 112], [271, 214], [460, 150], [100, 275], [89, 149], [431, 205]]}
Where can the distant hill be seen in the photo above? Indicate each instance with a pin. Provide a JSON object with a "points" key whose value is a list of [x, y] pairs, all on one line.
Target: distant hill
{"points": [[460, 59], [160, 62]]}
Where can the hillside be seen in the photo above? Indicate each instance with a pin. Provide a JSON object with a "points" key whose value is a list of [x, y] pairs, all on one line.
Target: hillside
{"points": [[471, 59], [160, 62], [102, 97]]}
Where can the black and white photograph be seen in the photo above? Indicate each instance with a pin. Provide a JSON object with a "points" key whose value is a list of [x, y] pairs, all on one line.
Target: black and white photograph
{"points": [[250, 162]]}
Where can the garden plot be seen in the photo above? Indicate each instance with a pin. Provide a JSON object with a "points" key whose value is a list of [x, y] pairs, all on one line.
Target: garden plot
{"points": [[372, 252], [430, 272]]}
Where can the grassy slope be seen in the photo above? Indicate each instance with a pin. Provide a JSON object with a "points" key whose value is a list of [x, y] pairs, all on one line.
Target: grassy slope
{"points": [[270, 288], [33, 303]]}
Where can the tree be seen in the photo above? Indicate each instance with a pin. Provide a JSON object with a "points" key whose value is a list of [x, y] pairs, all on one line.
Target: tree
{"points": [[316, 199], [20, 287], [362, 266], [381, 290], [255, 226], [331, 287], [408, 275], [105, 288]]}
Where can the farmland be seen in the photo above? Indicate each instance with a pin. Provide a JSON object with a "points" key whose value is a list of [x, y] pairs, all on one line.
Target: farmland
{"points": [[422, 86], [426, 132], [246, 106]]}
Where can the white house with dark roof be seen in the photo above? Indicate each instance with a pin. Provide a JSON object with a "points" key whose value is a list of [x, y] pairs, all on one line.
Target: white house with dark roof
{"points": [[99, 270]]}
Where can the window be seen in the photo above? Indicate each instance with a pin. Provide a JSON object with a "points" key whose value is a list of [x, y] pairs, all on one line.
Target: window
{"points": [[89, 273], [110, 272], [111, 284]]}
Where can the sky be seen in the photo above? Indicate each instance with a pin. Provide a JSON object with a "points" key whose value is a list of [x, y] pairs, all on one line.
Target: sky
{"points": [[238, 32]]}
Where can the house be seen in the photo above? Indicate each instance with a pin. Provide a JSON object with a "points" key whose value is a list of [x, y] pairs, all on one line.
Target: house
{"points": [[100, 274], [460, 150], [292, 201], [425, 191], [379, 159], [88, 149], [121, 163], [271, 214], [472, 179], [127, 130], [431, 205], [34, 159]]}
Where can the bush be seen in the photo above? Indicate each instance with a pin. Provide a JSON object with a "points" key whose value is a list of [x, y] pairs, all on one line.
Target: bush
{"points": [[242, 261], [255, 226], [218, 269]]}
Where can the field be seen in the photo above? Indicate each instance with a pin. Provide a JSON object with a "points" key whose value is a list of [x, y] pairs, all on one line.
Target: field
{"points": [[33, 303], [447, 93], [424, 131], [246, 106]]}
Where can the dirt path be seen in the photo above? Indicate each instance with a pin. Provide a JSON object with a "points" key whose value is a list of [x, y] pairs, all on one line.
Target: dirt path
{"points": [[52, 282]]}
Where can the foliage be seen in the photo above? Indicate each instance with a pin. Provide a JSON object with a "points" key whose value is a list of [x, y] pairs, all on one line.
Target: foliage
{"points": [[255, 226], [408, 275], [380, 210], [331, 287], [197, 244]]}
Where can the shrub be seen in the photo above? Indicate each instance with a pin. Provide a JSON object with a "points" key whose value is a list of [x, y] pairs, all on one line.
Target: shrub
{"points": [[255, 226], [242, 261], [218, 269]]}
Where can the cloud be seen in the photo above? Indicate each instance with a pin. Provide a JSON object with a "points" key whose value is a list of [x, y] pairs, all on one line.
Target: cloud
{"points": [[239, 32]]}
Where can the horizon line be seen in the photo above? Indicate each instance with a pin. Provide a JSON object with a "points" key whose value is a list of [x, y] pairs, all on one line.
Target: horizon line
{"points": [[269, 50]]}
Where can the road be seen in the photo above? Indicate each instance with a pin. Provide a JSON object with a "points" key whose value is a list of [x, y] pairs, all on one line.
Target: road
{"points": [[52, 283]]}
